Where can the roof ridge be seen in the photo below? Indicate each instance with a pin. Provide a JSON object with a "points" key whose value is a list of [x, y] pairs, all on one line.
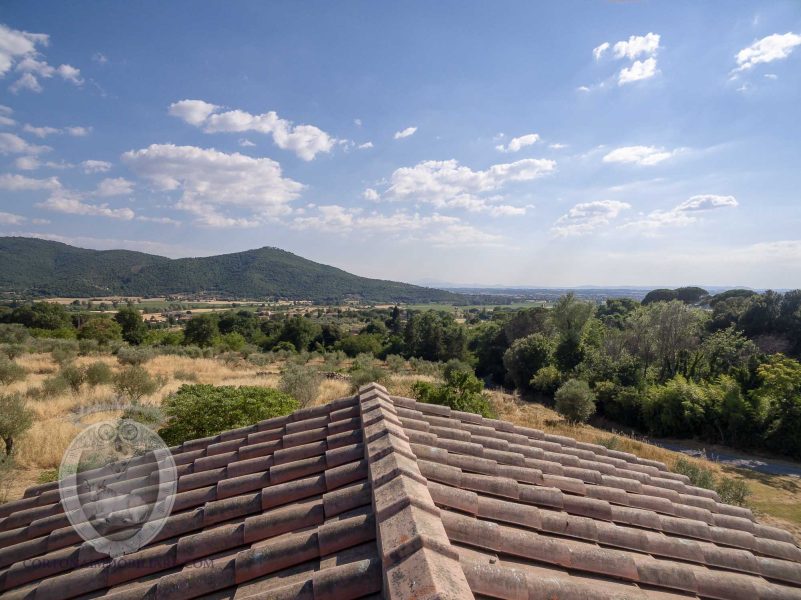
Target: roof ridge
{"points": [[417, 556]]}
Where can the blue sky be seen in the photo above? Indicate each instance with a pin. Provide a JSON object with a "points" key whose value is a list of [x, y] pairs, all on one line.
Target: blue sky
{"points": [[519, 143]]}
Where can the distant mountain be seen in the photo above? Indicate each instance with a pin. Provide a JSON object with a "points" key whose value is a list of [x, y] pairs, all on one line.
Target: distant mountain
{"points": [[38, 267]]}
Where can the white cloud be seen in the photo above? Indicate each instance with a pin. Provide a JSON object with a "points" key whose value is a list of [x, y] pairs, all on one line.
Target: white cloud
{"points": [[598, 51], [639, 70], [16, 183], [77, 131], [11, 143], [306, 141], [557, 146], [371, 195], [210, 181], [65, 201], [246, 143], [681, 215], [95, 166], [771, 76], [27, 163], [706, 202], [518, 143], [5, 116], [117, 186], [639, 155], [365, 146], [583, 88], [99, 58], [447, 184], [159, 220], [20, 51], [768, 49], [586, 217], [405, 133], [637, 45], [43, 132], [10, 219]]}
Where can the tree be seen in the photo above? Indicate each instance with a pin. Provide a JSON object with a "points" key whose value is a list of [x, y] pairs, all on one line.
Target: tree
{"points": [[302, 382], [726, 351], [134, 383], [525, 357], [674, 330], [779, 394], [362, 343], [435, 336], [15, 419], [201, 331], [133, 327], [41, 315], [197, 411], [300, 332], [660, 295], [575, 401], [570, 316], [100, 329]]}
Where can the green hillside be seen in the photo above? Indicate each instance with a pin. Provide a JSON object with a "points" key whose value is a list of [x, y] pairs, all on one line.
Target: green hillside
{"points": [[43, 268]]}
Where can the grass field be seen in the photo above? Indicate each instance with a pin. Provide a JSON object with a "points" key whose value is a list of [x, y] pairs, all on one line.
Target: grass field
{"points": [[776, 499]]}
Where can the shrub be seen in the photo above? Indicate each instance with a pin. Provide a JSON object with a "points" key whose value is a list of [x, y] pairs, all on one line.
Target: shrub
{"points": [[425, 367], [134, 382], [462, 390], [366, 370], [52, 386], [152, 416], [100, 329], [13, 333], [233, 342], [698, 475], [87, 347], [185, 375], [12, 351], [362, 343], [74, 376], [575, 401], [131, 355], [302, 382], [260, 359], [611, 442], [15, 419], [10, 371], [47, 476], [63, 354], [733, 491], [198, 410], [546, 380], [395, 363], [99, 373]]}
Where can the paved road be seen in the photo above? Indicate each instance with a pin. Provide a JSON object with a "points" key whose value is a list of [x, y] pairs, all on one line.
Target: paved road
{"points": [[733, 458]]}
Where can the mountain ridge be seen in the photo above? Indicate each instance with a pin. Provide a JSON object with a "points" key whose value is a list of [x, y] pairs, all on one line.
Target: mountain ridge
{"points": [[37, 267]]}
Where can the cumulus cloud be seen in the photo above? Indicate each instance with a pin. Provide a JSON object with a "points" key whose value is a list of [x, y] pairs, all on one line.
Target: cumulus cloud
{"points": [[306, 141], [586, 217], [518, 143], [16, 183], [371, 195], [68, 202], [5, 116], [210, 182], [599, 51], [447, 184], [95, 166], [639, 70], [20, 51], [768, 49], [639, 155], [365, 146], [405, 133], [636, 46], [11, 143], [116, 186], [683, 214], [10, 219]]}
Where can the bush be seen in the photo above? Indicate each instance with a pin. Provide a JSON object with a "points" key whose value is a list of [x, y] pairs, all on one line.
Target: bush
{"points": [[185, 375], [131, 355], [425, 367], [102, 330], [152, 416], [63, 354], [462, 390], [15, 419], [366, 370], [198, 410], [395, 363], [301, 382], [575, 401], [12, 351], [134, 382], [74, 376], [99, 373], [733, 491], [546, 380], [87, 347], [698, 475], [10, 371], [52, 386]]}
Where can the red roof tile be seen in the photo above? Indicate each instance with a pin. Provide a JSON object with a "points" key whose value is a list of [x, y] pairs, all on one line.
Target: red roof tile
{"points": [[381, 496]]}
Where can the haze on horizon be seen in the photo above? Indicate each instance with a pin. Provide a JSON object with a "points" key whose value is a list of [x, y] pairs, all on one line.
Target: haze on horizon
{"points": [[605, 144]]}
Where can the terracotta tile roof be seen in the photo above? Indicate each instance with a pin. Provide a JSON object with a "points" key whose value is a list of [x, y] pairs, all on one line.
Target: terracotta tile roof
{"points": [[381, 496]]}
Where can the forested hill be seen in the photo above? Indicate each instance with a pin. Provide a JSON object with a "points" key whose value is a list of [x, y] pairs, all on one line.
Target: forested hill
{"points": [[44, 268]]}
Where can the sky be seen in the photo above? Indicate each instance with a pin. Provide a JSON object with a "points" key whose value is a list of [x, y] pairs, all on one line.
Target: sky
{"points": [[450, 142]]}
